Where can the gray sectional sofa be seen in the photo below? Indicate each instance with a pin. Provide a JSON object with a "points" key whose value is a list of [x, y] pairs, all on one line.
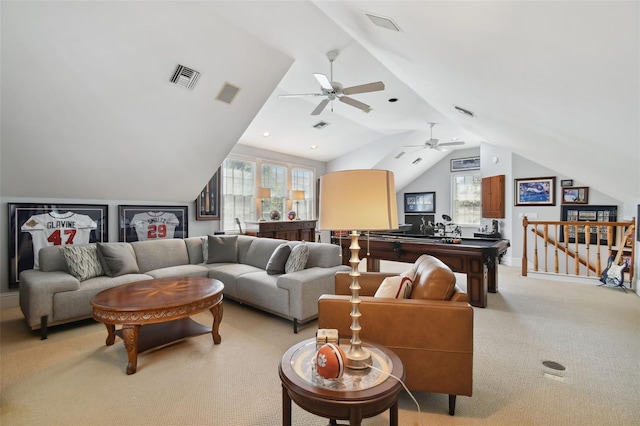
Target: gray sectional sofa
{"points": [[59, 293]]}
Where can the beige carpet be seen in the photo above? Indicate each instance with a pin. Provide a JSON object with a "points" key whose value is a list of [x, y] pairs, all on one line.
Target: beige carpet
{"points": [[73, 379]]}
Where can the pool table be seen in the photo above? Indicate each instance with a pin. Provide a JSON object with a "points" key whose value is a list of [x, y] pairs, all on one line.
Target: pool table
{"points": [[476, 257]]}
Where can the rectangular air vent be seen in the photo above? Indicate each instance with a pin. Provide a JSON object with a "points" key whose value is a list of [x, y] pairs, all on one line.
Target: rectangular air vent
{"points": [[382, 21], [464, 111], [185, 77], [320, 125]]}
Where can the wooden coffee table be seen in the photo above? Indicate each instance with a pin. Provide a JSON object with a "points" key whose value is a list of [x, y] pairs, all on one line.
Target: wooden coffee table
{"points": [[163, 306], [358, 394]]}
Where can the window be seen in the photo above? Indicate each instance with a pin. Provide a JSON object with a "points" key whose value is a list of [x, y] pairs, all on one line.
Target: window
{"points": [[466, 198], [241, 177], [238, 192], [303, 180]]}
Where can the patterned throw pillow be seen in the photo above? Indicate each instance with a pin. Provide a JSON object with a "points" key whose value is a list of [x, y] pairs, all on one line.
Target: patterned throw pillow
{"points": [[297, 259], [396, 287], [278, 259], [82, 261]]}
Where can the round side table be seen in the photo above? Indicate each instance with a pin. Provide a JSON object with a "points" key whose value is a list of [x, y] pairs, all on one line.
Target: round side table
{"points": [[356, 395]]}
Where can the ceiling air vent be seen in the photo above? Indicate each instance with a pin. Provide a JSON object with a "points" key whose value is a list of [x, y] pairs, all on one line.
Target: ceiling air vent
{"points": [[320, 125], [227, 93], [464, 111], [185, 77], [383, 22]]}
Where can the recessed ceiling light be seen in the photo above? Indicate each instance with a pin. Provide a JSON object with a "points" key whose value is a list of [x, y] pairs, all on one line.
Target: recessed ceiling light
{"points": [[314, 147], [266, 134]]}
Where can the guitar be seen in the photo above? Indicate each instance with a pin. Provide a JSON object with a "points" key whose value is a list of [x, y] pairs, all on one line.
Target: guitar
{"points": [[613, 274]]}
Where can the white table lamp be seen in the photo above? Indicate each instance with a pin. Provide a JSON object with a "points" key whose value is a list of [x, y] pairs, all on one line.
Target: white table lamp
{"points": [[261, 194], [297, 196]]}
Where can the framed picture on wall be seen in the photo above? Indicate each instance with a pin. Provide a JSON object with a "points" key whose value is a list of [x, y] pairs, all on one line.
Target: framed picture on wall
{"points": [[141, 223], [575, 195], [535, 191], [33, 226], [420, 202], [208, 202]]}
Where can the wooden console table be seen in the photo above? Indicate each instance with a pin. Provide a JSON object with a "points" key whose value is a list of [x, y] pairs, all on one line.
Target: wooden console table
{"points": [[292, 230]]}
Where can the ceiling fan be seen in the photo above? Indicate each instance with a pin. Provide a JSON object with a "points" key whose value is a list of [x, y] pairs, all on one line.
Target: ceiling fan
{"points": [[333, 90], [433, 143]]}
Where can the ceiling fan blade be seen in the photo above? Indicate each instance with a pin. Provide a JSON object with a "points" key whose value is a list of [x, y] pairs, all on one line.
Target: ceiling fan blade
{"points": [[452, 143], [364, 88], [350, 101], [324, 81], [320, 107], [416, 146], [298, 95]]}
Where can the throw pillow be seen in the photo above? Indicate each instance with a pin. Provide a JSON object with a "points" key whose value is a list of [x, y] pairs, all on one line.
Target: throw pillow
{"points": [[397, 287], [297, 259], [278, 259], [117, 259], [82, 261], [223, 249]]}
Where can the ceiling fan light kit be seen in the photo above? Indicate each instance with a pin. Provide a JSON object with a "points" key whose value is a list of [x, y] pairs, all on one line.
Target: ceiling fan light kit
{"points": [[333, 90]]}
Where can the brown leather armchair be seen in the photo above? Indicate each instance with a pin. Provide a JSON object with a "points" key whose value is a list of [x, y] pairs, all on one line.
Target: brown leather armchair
{"points": [[431, 332]]}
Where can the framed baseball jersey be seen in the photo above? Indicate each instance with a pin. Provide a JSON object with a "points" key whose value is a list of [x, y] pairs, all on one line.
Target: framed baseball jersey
{"points": [[33, 226], [141, 223]]}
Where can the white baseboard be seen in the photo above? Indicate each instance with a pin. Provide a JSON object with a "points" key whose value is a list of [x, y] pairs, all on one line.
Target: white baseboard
{"points": [[9, 300]]}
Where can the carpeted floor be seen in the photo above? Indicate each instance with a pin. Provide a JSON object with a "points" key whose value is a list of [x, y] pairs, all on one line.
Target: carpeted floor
{"points": [[72, 378]]}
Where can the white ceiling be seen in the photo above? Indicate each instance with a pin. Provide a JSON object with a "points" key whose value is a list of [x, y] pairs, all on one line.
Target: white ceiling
{"points": [[555, 82]]}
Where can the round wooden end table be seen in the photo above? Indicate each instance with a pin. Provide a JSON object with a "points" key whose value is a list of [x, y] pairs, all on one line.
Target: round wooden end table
{"points": [[163, 306], [356, 395]]}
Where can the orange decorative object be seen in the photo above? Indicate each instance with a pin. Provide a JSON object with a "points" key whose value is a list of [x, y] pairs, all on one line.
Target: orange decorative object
{"points": [[330, 361]]}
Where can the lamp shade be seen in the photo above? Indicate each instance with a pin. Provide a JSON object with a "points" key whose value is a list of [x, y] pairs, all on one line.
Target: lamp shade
{"points": [[358, 200], [263, 192], [297, 195]]}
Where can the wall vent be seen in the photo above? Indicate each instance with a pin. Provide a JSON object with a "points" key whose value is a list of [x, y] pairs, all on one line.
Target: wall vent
{"points": [[185, 77], [320, 125], [227, 92]]}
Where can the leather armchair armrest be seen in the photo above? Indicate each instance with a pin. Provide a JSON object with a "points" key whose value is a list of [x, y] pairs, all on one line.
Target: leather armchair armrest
{"points": [[369, 282]]}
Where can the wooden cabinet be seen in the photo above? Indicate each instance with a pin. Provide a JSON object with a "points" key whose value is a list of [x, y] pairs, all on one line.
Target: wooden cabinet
{"points": [[493, 197], [292, 230]]}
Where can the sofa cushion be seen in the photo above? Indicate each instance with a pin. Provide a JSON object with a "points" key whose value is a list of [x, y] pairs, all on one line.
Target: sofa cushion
{"points": [[297, 259], [396, 287], [222, 249], [434, 280], [82, 261], [278, 259], [117, 259]]}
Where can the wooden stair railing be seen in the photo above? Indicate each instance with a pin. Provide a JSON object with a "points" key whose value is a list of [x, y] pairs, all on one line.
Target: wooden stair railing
{"points": [[580, 249]]}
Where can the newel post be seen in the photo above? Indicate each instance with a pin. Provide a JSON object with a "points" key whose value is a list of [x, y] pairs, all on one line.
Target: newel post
{"points": [[525, 223]]}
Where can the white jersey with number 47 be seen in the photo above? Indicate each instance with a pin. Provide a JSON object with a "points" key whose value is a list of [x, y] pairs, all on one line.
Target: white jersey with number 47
{"points": [[56, 229]]}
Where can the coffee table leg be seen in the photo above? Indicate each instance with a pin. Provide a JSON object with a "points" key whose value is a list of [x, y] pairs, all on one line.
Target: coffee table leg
{"points": [[130, 336], [216, 311], [355, 416], [286, 407], [111, 334], [393, 414]]}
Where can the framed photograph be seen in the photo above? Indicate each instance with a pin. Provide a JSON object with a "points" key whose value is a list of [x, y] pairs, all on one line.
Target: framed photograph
{"points": [[462, 164], [33, 226], [566, 182], [420, 202], [575, 195], [535, 191], [587, 214], [208, 202], [141, 223]]}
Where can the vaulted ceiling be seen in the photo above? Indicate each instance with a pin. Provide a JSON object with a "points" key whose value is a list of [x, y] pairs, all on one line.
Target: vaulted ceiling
{"points": [[88, 111]]}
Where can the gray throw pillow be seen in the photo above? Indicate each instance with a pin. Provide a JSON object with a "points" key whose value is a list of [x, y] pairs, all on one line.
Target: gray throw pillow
{"points": [[278, 259], [297, 259], [117, 259], [223, 249], [82, 261]]}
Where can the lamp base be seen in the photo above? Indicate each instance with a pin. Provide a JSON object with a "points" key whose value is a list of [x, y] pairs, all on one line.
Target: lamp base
{"points": [[358, 358]]}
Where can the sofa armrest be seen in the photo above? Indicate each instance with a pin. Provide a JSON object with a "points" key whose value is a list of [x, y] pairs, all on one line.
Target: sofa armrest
{"points": [[369, 282], [37, 289]]}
